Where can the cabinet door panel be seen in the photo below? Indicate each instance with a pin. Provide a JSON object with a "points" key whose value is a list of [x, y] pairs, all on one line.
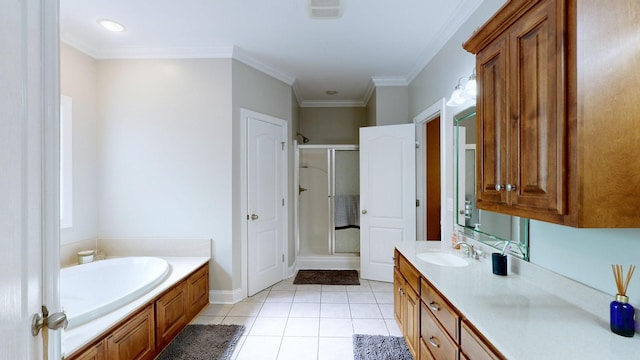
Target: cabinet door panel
{"points": [[411, 318], [135, 340], [198, 291], [537, 116], [491, 67], [398, 283], [171, 312]]}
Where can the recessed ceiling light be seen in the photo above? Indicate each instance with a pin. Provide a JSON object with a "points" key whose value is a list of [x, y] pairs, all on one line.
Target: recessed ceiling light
{"points": [[111, 25], [330, 92]]}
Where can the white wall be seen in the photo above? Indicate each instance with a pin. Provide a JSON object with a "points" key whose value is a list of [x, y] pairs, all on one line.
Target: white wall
{"points": [[256, 91], [164, 159], [78, 74], [332, 125], [584, 255], [392, 105]]}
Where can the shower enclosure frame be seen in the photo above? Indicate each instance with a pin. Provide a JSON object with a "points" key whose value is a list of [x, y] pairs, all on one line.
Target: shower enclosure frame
{"points": [[331, 148]]}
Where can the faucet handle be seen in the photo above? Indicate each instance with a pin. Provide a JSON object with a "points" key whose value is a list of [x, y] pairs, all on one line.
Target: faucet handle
{"points": [[476, 254]]}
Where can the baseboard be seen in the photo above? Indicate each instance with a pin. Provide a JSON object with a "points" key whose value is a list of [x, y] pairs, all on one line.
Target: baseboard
{"points": [[329, 262], [225, 296]]}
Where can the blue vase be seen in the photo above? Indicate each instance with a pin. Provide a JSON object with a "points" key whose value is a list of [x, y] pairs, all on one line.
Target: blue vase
{"points": [[622, 316]]}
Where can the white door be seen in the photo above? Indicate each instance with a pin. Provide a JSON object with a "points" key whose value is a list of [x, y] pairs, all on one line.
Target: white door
{"points": [[387, 196], [29, 221], [266, 141], [460, 174]]}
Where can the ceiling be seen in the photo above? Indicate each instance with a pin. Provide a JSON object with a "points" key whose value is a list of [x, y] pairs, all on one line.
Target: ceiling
{"points": [[381, 42]]}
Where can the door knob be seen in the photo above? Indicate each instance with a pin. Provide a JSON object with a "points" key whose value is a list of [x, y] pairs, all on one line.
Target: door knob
{"points": [[51, 321], [511, 187], [364, 212], [499, 187], [254, 217]]}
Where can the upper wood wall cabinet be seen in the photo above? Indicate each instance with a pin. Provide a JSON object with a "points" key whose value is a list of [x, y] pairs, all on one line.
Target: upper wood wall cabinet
{"points": [[558, 112]]}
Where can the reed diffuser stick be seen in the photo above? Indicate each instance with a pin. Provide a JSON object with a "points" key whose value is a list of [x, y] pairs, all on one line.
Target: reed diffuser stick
{"points": [[621, 283]]}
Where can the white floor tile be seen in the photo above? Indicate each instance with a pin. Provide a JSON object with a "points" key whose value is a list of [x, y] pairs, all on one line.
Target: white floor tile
{"points": [[264, 326], [302, 327], [336, 328], [217, 310], [281, 296], [361, 298], [334, 288], [377, 286], [392, 326], [370, 327], [240, 320], [365, 311], [207, 320], [340, 311], [307, 296], [383, 297], [387, 311], [298, 348], [236, 350], [275, 309], [259, 297], [260, 347], [309, 287], [334, 297], [335, 348], [284, 285], [304, 310], [245, 309]]}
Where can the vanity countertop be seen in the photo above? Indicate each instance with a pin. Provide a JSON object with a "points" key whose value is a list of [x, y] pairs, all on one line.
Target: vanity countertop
{"points": [[77, 337], [519, 317]]}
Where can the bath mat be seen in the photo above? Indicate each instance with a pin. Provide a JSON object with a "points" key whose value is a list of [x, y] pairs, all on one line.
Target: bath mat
{"points": [[199, 342], [327, 277], [378, 347]]}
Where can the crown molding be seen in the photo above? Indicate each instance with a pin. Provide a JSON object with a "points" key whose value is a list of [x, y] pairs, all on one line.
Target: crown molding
{"points": [[462, 13], [334, 103], [244, 57], [296, 92], [380, 81]]}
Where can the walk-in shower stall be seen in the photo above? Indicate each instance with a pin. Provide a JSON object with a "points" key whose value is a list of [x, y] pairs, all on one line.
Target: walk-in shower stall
{"points": [[328, 222]]}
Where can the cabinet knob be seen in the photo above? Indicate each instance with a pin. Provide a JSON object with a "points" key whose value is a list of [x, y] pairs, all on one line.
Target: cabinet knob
{"points": [[499, 187], [511, 187], [434, 341], [433, 306]]}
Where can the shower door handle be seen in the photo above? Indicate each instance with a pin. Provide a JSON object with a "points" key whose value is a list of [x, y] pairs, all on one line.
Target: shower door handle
{"points": [[364, 212], [254, 217]]}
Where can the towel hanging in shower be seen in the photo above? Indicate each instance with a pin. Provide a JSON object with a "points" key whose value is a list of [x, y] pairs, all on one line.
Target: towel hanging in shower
{"points": [[347, 211]]}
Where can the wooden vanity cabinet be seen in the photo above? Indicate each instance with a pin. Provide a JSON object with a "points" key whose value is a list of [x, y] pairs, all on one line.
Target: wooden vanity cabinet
{"points": [[556, 122], [407, 302]]}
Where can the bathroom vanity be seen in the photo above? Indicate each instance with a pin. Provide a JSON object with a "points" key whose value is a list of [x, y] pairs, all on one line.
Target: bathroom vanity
{"points": [[466, 312], [143, 328]]}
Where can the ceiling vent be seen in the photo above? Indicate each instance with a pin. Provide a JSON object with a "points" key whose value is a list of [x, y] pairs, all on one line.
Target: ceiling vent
{"points": [[324, 9]]}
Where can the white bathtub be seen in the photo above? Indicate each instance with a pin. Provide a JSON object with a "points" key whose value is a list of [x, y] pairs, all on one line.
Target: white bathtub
{"points": [[91, 290]]}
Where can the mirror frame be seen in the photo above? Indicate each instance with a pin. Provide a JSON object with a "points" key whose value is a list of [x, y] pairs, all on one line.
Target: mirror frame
{"points": [[518, 248]]}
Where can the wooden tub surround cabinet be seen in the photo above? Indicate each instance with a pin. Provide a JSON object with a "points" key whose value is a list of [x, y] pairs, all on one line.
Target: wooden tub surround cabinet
{"points": [[556, 108], [431, 326], [144, 334]]}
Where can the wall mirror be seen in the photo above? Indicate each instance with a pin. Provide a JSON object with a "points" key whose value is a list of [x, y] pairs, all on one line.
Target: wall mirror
{"points": [[496, 230]]}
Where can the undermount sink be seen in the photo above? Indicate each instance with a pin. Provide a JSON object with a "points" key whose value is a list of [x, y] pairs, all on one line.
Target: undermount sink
{"points": [[442, 259]]}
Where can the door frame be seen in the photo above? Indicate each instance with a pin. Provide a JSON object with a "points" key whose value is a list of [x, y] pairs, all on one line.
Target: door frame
{"points": [[245, 114], [438, 109]]}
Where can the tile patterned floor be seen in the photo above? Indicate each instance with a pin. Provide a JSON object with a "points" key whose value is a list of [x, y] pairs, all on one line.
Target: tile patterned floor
{"points": [[303, 322]]}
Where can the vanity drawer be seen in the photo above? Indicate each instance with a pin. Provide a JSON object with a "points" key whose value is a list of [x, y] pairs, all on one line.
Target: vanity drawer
{"points": [[441, 310], [473, 345], [410, 273], [435, 338]]}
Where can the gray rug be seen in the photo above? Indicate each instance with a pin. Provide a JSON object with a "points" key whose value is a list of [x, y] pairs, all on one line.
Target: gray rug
{"points": [[327, 277], [378, 347], [200, 342]]}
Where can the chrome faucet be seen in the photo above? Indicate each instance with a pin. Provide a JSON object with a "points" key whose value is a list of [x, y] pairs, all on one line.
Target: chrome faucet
{"points": [[469, 250]]}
